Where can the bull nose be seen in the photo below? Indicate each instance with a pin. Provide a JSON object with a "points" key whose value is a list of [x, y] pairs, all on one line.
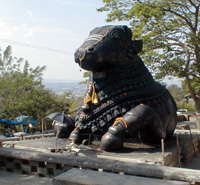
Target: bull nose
{"points": [[79, 54], [90, 49]]}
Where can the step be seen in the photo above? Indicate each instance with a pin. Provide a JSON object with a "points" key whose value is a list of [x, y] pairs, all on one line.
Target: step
{"points": [[84, 176]]}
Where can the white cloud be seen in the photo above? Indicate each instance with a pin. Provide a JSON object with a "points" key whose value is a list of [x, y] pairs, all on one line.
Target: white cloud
{"points": [[4, 30], [30, 13], [16, 33], [24, 29], [29, 33]]}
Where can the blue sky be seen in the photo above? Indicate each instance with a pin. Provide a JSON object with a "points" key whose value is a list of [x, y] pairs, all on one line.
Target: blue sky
{"points": [[55, 24]]}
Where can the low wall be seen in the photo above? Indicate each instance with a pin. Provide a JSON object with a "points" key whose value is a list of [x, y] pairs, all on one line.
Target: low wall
{"points": [[32, 162], [35, 136]]}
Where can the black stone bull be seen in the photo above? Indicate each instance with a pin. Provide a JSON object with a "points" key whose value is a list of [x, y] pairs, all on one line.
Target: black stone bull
{"points": [[122, 101]]}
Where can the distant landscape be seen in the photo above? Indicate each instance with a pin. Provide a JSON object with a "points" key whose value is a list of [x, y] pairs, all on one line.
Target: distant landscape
{"points": [[63, 86]]}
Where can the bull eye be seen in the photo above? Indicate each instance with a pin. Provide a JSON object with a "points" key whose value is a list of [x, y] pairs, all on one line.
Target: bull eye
{"points": [[116, 36]]}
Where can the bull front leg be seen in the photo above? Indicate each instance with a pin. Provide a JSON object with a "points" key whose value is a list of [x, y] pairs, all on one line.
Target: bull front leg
{"points": [[141, 120]]}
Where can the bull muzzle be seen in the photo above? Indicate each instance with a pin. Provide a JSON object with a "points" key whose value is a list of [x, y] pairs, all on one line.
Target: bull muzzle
{"points": [[87, 47]]}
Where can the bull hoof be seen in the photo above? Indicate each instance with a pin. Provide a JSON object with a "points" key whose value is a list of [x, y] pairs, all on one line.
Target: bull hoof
{"points": [[75, 136], [63, 130], [110, 142], [86, 142]]}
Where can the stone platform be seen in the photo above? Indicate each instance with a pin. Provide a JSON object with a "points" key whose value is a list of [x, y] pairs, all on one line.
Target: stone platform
{"points": [[48, 157], [132, 152]]}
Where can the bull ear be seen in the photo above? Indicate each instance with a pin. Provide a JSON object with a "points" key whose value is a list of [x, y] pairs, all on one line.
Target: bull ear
{"points": [[137, 46]]}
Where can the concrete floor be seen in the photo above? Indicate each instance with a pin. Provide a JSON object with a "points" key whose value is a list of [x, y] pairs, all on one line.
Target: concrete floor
{"points": [[9, 178]]}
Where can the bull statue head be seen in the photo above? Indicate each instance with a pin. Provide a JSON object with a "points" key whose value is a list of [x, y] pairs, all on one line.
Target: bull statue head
{"points": [[106, 47]]}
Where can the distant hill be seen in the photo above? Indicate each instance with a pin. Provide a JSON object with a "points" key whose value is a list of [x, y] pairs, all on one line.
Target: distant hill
{"points": [[62, 86]]}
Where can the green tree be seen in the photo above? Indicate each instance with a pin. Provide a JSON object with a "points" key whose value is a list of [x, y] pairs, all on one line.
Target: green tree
{"points": [[71, 100], [171, 34], [195, 83], [86, 75], [22, 91]]}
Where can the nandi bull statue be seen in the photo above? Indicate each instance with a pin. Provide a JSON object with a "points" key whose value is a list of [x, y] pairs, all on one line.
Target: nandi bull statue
{"points": [[122, 101]]}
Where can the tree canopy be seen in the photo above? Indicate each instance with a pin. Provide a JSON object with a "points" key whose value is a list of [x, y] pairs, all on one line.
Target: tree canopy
{"points": [[171, 35], [22, 91]]}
